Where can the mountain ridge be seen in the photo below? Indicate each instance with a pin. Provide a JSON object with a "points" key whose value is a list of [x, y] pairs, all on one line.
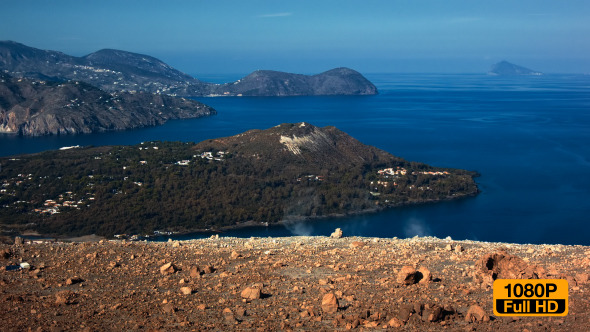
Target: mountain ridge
{"points": [[117, 70]]}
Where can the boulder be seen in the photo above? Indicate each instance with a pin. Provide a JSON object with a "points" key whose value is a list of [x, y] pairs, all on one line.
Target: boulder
{"points": [[329, 303], [426, 275], [408, 276], [501, 265], [251, 293], [168, 268]]}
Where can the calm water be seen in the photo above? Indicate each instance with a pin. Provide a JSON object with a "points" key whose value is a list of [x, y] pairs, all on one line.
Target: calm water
{"points": [[527, 136]]}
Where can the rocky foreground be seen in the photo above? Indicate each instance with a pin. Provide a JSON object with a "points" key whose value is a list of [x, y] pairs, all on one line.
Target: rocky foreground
{"points": [[270, 284]]}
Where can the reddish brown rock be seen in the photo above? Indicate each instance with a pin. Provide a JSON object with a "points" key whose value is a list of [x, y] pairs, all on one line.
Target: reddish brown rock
{"points": [[195, 272], [186, 290], [395, 322], [168, 268], [504, 266], [251, 293], [329, 303], [426, 276], [408, 276], [476, 314]]}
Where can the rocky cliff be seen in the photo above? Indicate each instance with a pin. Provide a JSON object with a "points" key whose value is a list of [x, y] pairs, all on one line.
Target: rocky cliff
{"points": [[34, 108], [116, 70]]}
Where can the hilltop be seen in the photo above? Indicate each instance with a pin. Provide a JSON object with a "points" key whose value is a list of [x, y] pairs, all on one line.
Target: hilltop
{"points": [[33, 108], [338, 81], [505, 68], [117, 70], [281, 284], [288, 172]]}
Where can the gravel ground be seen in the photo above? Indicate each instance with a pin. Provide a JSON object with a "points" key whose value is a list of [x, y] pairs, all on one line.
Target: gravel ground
{"points": [[290, 283]]}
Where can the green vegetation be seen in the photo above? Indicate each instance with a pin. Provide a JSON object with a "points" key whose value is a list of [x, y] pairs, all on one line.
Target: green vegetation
{"points": [[181, 187]]}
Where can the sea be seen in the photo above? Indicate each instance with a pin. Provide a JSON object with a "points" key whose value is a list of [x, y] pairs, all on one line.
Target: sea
{"points": [[528, 137]]}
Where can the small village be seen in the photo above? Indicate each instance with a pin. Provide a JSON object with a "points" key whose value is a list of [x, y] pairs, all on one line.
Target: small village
{"points": [[402, 171]]}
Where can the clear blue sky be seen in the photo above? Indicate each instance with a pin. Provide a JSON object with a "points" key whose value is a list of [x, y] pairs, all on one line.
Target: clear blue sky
{"points": [[216, 36]]}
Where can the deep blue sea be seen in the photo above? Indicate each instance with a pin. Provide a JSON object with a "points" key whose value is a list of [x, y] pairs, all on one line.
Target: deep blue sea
{"points": [[528, 137]]}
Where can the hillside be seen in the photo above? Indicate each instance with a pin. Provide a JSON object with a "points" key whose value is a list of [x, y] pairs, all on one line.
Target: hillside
{"points": [[339, 81], [116, 71], [289, 172], [34, 108], [505, 68]]}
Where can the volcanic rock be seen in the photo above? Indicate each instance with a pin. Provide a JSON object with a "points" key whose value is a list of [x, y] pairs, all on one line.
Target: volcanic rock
{"points": [[426, 275], [251, 293], [186, 290], [501, 265], [408, 276], [476, 314], [168, 268], [329, 303]]}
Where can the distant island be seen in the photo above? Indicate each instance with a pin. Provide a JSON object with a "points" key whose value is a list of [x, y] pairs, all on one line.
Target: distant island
{"points": [[33, 108], [288, 172], [505, 68], [121, 71]]}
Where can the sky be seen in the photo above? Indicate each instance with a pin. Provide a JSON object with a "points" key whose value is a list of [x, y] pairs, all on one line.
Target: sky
{"points": [[392, 36]]}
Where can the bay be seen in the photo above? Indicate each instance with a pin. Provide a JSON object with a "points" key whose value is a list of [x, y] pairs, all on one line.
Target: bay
{"points": [[527, 137]]}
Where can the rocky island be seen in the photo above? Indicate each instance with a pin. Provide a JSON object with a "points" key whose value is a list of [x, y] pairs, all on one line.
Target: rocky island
{"points": [[31, 107], [505, 68], [280, 284], [117, 71], [288, 172], [339, 81]]}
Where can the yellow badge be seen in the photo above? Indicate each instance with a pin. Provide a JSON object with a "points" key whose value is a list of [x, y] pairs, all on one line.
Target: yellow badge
{"points": [[530, 297]]}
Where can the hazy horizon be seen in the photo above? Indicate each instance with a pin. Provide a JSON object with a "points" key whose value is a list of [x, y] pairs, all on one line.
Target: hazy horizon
{"points": [[224, 37]]}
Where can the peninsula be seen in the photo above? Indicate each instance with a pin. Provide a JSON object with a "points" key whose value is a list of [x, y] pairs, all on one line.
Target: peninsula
{"points": [[288, 172]]}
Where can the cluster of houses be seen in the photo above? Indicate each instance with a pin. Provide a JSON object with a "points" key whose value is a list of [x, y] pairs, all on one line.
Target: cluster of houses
{"points": [[391, 171], [52, 206], [398, 171], [402, 171], [205, 155]]}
